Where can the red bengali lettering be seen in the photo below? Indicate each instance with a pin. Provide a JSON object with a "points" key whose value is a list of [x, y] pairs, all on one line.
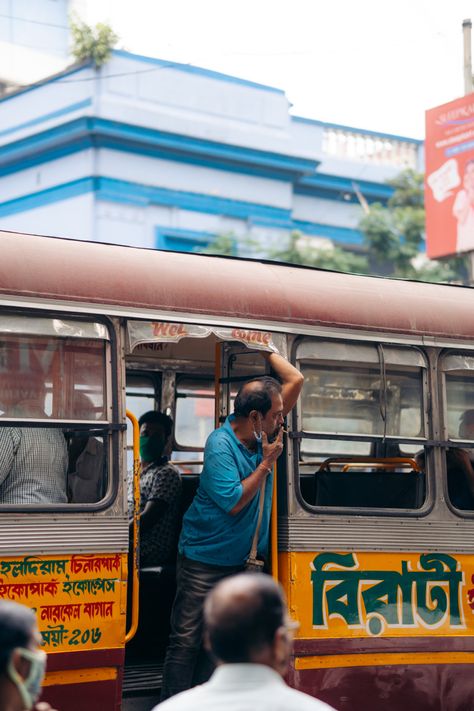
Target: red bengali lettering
{"points": [[251, 336], [168, 330]]}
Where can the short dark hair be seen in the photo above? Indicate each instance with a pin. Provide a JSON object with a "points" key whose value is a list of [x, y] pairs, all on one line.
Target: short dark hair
{"points": [[241, 615], [259, 398], [17, 623], [157, 418]]}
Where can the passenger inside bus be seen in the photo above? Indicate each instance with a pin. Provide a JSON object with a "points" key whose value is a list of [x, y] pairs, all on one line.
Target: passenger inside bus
{"points": [[160, 491], [33, 460], [459, 466], [85, 477]]}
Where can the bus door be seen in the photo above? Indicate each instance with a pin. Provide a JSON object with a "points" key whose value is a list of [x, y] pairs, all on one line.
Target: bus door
{"points": [[191, 373]]}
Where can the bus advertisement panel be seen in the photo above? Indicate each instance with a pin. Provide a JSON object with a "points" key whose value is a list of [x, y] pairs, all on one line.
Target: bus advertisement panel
{"points": [[449, 187]]}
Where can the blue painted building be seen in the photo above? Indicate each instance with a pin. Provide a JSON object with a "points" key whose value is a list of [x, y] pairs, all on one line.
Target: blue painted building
{"points": [[159, 154]]}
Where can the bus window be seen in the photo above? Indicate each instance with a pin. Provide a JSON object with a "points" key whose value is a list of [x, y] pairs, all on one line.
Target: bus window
{"points": [[194, 421], [142, 395], [54, 411], [458, 371], [362, 421]]}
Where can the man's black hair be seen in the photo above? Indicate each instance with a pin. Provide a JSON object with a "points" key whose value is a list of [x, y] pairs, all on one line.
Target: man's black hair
{"points": [[16, 627], [259, 399], [241, 625], [157, 418]]}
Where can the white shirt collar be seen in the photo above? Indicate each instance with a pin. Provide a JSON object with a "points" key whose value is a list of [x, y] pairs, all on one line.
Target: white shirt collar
{"points": [[227, 675]]}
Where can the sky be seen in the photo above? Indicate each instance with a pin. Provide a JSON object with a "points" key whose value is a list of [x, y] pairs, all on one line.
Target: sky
{"points": [[370, 64]]}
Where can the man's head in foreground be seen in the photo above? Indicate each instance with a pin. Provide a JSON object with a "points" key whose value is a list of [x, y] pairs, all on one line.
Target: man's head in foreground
{"points": [[22, 663], [246, 622]]}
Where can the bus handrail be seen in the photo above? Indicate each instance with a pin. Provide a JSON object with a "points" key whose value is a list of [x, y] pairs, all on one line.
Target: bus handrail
{"points": [[136, 528], [375, 462]]}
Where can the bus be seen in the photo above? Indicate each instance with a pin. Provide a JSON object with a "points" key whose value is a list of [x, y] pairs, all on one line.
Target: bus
{"points": [[372, 530]]}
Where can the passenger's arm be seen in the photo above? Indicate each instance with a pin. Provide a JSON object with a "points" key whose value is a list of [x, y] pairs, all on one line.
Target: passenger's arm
{"points": [[252, 483], [151, 514], [291, 380]]}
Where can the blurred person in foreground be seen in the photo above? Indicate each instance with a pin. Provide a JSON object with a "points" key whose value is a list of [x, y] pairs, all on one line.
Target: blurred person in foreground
{"points": [[22, 662], [248, 632]]}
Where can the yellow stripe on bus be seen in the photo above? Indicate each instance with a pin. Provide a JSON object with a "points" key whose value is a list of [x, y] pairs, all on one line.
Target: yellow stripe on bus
{"points": [[368, 660], [80, 676]]}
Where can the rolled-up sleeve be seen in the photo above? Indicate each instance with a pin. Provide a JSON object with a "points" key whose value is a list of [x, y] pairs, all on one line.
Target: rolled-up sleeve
{"points": [[220, 476]]}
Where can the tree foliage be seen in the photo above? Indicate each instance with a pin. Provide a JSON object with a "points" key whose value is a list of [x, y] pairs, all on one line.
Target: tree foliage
{"points": [[224, 245], [300, 251], [92, 42], [395, 235]]}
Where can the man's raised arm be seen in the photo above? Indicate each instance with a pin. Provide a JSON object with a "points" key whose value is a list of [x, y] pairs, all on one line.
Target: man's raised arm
{"points": [[291, 380]]}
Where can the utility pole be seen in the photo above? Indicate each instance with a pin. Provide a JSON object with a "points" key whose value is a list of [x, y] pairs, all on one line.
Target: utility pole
{"points": [[468, 89], [466, 31]]}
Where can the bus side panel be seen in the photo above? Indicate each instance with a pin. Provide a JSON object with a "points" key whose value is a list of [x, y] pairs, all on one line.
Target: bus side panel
{"points": [[378, 627], [80, 604], [91, 695], [423, 686]]}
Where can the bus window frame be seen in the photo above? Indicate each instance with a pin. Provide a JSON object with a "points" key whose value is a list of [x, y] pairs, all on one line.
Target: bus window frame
{"points": [[177, 447], [110, 429], [297, 435], [455, 442]]}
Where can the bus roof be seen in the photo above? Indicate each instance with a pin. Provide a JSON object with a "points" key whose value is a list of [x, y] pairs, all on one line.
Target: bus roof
{"points": [[50, 268]]}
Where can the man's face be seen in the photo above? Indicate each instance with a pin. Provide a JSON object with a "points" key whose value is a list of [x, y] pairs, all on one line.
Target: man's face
{"points": [[152, 442], [273, 420]]}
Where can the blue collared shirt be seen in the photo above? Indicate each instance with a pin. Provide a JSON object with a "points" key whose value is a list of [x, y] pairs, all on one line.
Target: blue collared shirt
{"points": [[210, 533]]}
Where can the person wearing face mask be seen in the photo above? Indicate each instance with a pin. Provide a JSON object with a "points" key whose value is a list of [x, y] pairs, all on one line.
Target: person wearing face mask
{"points": [[220, 525], [160, 491], [22, 663]]}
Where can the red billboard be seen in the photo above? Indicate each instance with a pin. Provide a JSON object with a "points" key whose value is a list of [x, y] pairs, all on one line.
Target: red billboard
{"points": [[449, 185]]}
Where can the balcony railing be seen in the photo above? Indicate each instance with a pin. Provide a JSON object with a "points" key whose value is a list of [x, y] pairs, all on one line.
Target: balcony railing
{"points": [[351, 145]]}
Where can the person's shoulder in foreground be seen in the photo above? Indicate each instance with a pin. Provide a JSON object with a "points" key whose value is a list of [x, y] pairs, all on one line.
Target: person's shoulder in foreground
{"points": [[243, 687], [248, 632]]}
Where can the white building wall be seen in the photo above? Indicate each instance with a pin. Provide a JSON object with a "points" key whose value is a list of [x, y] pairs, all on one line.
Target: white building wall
{"points": [[179, 101], [328, 212], [26, 113], [47, 175], [193, 178], [69, 218]]}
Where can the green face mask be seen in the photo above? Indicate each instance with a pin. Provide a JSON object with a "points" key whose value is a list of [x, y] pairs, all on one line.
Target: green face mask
{"points": [[151, 447]]}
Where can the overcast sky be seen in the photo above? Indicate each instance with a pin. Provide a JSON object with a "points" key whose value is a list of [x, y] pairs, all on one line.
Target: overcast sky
{"points": [[366, 63]]}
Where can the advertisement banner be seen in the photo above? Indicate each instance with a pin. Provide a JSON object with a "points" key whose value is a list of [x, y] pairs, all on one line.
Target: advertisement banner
{"points": [[79, 600], [449, 187]]}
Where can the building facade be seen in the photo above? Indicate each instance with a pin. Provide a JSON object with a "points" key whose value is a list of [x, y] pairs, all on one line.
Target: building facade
{"points": [[157, 154]]}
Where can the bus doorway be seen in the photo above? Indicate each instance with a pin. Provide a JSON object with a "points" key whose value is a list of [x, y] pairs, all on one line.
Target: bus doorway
{"points": [[192, 375]]}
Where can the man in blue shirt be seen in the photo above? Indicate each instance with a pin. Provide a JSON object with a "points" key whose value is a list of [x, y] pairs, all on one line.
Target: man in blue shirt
{"points": [[220, 524]]}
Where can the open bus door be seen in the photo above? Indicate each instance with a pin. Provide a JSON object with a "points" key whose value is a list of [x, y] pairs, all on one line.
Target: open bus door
{"points": [[192, 373]]}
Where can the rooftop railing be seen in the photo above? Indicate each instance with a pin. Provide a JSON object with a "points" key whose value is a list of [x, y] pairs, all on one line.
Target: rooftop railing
{"points": [[369, 148]]}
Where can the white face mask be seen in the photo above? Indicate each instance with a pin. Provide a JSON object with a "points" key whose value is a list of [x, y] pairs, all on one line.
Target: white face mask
{"points": [[29, 688]]}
